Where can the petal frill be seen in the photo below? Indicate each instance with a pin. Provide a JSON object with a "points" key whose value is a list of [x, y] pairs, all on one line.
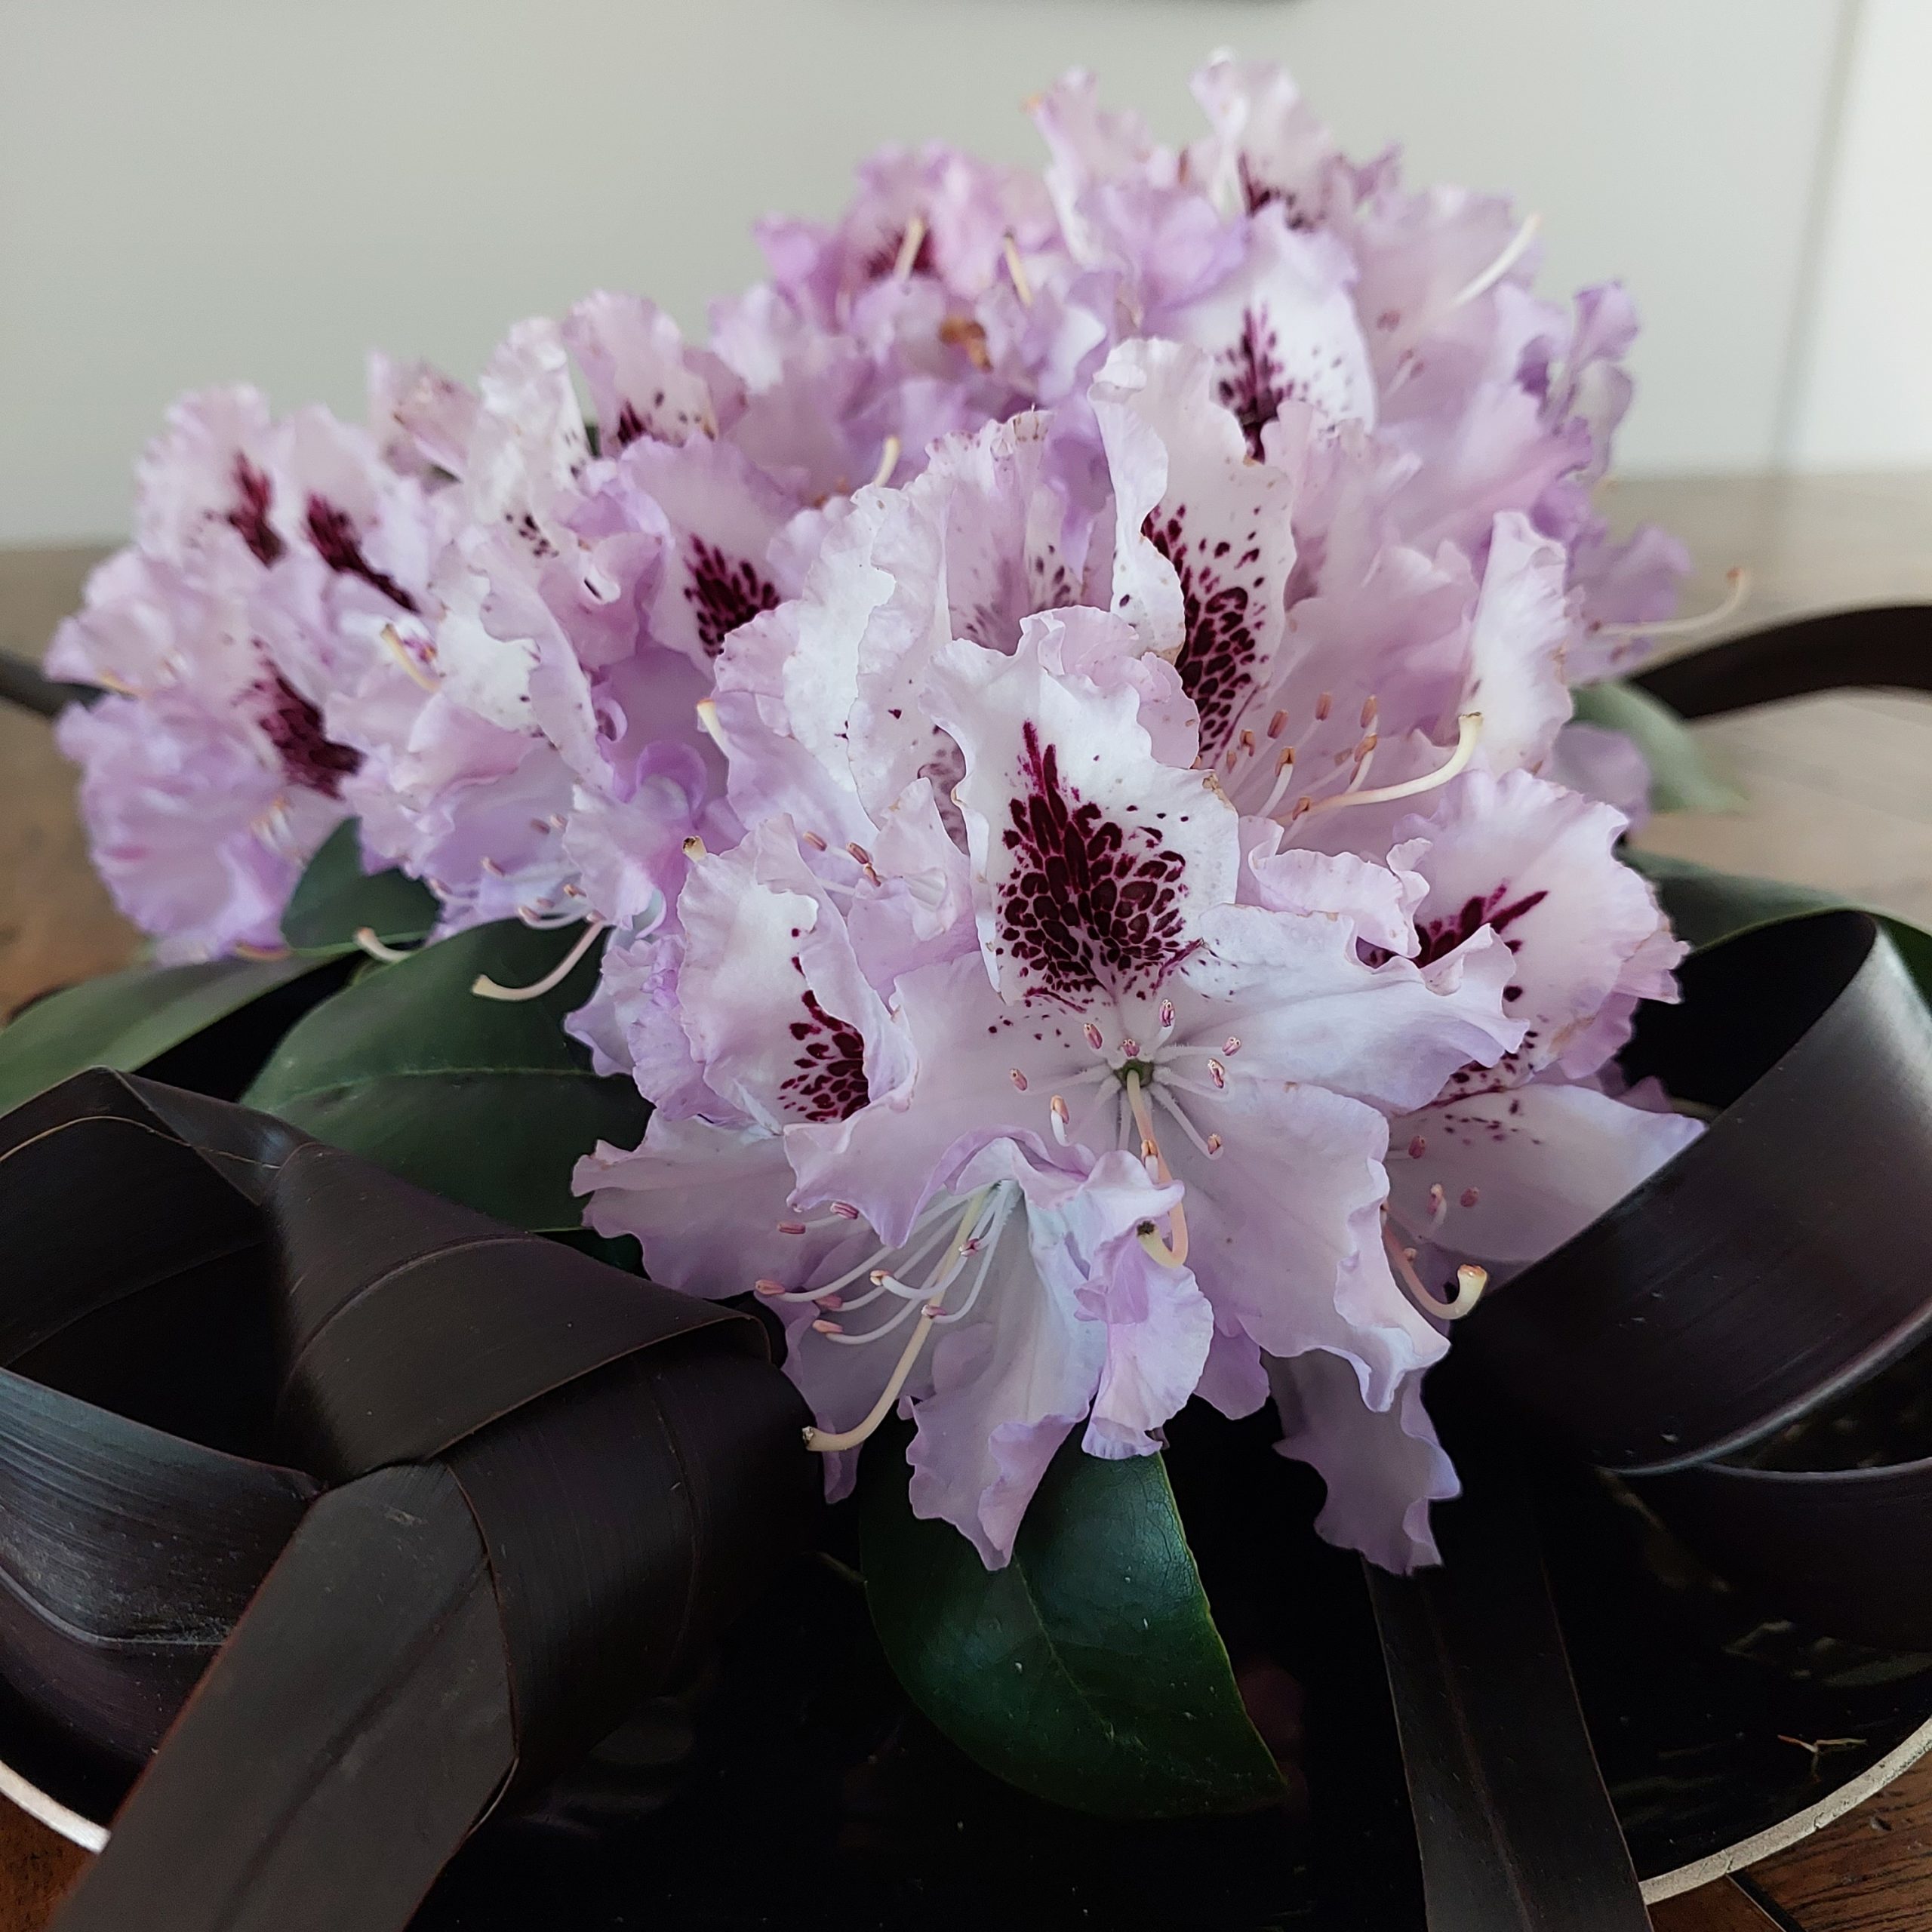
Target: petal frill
{"points": [[1537, 865], [1285, 1229], [785, 1024], [1382, 1467], [1294, 989], [889, 1159]]}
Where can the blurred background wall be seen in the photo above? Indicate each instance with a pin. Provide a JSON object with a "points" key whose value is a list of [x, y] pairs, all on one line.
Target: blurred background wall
{"points": [[193, 191]]}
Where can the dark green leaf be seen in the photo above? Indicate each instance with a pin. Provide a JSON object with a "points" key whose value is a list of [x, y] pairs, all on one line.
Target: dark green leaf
{"points": [[1088, 1671], [128, 1020], [485, 1101], [1682, 778], [335, 898], [1706, 906]]}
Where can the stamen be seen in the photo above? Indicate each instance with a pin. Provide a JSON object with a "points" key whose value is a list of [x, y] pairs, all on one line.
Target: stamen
{"points": [[1231, 1045], [1468, 728], [813, 839], [1094, 1038], [823, 1444], [1015, 268], [1002, 1212], [365, 937], [1167, 1017], [1738, 581], [1217, 1073], [1284, 771], [845, 1210], [909, 245], [1438, 1205], [790, 1227], [260, 951], [1513, 253], [824, 1327], [693, 847], [1130, 1047], [1211, 1145], [1324, 705], [1277, 725], [1368, 711], [490, 866], [486, 988], [545, 918], [888, 461], [707, 719], [1364, 758], [417, 675], [1018, 1078], [1061, 1115]]}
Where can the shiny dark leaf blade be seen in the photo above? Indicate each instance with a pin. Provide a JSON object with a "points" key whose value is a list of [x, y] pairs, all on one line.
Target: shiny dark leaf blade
{"points": [[1707, 907], [335, 898], [130, 1020], [1682, 776], [1088, 1671], [488, 1102]]}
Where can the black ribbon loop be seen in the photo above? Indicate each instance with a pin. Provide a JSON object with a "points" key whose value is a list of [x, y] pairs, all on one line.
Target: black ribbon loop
{"points": [[416, 1506]]}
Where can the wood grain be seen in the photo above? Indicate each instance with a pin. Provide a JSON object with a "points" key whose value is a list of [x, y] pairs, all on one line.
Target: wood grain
{"points": [[1840, 791]]}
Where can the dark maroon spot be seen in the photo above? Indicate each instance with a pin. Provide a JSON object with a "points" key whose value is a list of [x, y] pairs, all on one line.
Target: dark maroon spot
{"points": [[310, 758], [250, 516], [337, 545], [1250, 379], [1441, 937], [1259, 194], [630, 426], [1216, 662], [723, 593], [1092, 905], [830, 1083]]}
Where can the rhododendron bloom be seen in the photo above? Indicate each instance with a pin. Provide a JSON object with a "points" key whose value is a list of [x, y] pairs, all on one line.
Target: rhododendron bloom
{"points": [[1063, 707]]}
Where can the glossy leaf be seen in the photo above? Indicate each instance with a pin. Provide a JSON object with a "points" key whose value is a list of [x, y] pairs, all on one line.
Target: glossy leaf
{"points": [[485, 1101], [1682, 778], [1088, 1671], [129, 1020], [335, 898], [1706, 906]]}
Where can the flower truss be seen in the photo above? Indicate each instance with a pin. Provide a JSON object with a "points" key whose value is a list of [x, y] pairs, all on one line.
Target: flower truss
{"points": [[1063, 710]]}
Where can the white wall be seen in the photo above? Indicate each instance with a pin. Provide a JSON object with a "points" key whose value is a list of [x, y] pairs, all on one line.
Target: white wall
{"points": [[1864, 397], [194, 190]]}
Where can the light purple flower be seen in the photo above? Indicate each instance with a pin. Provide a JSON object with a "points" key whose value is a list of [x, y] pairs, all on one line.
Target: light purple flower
{"points": [[1101, 1029]]}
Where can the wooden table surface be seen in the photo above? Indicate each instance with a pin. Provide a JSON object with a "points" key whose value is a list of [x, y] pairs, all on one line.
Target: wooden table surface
{"points": [[1841, 792]]}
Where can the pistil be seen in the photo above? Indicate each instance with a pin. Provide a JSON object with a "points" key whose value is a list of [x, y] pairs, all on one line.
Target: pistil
{"points": [[483, 987], [1169, 1256]]}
